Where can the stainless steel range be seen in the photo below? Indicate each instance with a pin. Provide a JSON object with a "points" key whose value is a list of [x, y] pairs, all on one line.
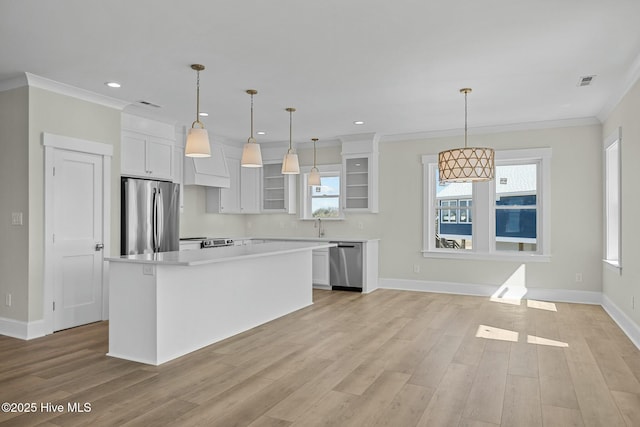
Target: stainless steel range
{"points": [[205, 242]]}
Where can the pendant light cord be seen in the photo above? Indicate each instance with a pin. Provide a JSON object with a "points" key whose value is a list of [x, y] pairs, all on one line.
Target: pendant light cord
{"points": [[314, 152], [251, 116], [465, 119], [198, 96], [290, 130]]}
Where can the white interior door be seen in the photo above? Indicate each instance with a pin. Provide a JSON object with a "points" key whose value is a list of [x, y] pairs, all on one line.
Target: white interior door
{"points": [[77, 194]]}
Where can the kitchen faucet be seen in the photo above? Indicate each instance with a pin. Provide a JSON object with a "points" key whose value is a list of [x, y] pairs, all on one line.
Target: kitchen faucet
{"points": [[318, 225]]}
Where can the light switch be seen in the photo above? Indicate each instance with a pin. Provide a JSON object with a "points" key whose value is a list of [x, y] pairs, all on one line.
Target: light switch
{"points": [[16, 218]]}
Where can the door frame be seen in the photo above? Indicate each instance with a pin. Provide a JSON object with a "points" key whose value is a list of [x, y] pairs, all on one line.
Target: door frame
{"points": [[52, 143]]}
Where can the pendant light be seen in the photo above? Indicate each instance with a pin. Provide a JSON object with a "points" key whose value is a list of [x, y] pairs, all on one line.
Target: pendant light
{"points": [[290, 165], [314, 175], [197, 138], [251, 155], [466, 164]]}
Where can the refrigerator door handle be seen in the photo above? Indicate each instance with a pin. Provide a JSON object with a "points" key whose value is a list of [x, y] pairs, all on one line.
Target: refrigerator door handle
{"points": [[154, 220], [159, 227]]}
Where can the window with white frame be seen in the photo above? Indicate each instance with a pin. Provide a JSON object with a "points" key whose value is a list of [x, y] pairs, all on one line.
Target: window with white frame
{"points": [[612, 187], [322, 201], [507, 217]]}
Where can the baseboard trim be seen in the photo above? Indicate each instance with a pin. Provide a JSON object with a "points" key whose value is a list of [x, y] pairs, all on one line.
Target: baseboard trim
{"points": [[557, 295], [628, 326], [22, 330]]}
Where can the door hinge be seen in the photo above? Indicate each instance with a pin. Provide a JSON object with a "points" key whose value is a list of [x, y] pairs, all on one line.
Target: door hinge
{"points": [[53, 238], [54, 171], [54, 306]]}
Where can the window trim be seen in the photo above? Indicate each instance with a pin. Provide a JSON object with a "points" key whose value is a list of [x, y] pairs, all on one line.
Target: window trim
{"points": [[483, 212], [614, 138], [305, 199]]}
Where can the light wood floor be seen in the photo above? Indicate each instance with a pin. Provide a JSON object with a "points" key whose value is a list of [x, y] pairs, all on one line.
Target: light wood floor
{"points": [[391, 358]]}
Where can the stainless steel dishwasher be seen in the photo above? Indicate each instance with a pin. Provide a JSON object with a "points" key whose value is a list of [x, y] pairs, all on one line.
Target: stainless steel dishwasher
{"points": [[345, 272]]}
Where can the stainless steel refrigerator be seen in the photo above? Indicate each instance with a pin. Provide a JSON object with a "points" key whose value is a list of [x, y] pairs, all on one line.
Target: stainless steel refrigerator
{"points": [[150, 216]]}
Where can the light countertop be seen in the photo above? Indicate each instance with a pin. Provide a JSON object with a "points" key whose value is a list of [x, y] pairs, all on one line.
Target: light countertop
{"points": [[222, 254], [311, 239]]}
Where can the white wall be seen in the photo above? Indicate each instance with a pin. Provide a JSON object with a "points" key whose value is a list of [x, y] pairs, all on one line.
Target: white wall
{"points": [[576, 213], [622, 288]]}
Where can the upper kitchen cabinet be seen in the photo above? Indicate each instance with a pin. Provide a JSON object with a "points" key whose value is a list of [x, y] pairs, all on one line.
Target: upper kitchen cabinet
{"points": [[243, 194], [360, 173], [278, 190], [147, 149]]}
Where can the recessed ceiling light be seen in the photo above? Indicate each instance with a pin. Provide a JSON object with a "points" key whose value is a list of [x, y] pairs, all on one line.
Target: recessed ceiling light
{"points": [[113, 84], [203, 114], [358, 122], [261, 132]]}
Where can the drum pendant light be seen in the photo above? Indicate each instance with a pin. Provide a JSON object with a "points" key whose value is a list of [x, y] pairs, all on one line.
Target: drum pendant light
{"points": [[468, 164], [314, 175], [251, 155], [197, 138], [290, 165]]}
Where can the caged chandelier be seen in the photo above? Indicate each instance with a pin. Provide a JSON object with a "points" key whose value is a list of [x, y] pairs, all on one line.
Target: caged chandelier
{"points": [[468, 164]]}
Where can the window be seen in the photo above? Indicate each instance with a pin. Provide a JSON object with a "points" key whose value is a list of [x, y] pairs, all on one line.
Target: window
{"points": [[322, 201], [612, 188], [504, 218]]}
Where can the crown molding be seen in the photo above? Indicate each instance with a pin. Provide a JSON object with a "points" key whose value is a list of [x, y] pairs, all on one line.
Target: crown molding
{"points": [[13, 83], [515, 127], [74, 92]]}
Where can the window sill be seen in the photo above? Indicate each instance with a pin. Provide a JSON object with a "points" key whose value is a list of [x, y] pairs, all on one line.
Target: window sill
{"points": [[486, 256], [613, 266], [323, 219]]}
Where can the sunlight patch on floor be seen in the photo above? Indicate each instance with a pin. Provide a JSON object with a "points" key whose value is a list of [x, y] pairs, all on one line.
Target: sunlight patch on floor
{"points": [[541, 305], [532, 339], [513, 289], [493, 333]]}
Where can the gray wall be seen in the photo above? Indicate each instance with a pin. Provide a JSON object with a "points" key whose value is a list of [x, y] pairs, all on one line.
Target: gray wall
{"points": [[623, 287], [14, 196]]}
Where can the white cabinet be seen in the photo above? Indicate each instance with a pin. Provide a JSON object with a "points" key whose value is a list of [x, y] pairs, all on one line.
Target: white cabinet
{"points": [[278, 190], [320, 267], [360, 173], [146, 156], [243, 194], [250, 190], [147, 148]]}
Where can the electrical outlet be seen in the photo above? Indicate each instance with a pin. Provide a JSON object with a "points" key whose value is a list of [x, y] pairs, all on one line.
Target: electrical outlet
{"points": [[16, 218], [7, 300], [416, 268], [579, 277], [147, 269]]}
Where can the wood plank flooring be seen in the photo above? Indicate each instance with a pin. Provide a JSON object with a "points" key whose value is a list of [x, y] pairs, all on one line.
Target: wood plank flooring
{"points": [[390, 358]]}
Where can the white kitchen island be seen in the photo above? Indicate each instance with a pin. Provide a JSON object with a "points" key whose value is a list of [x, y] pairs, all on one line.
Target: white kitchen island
{"points": [[165, 305]]}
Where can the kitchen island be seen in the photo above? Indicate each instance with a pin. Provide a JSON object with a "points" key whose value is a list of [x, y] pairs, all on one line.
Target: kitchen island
{"points": [[165, 305]]}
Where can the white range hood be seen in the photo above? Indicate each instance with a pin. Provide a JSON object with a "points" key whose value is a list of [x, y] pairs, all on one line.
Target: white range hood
{"points": [[208, 171]]}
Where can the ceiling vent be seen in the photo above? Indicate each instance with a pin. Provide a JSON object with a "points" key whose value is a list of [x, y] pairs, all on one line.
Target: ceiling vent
{"points": [[148, 104], [586, 80]]}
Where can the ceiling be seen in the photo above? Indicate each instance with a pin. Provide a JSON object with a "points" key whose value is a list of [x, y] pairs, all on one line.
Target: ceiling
{"points": [[397, 65]]}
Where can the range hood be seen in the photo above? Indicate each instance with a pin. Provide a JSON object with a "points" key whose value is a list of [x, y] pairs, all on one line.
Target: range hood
{"points": [[208, 171]]}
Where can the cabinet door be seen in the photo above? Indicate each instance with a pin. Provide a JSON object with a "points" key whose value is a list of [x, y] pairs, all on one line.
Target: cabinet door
{"points": [[133, 155], [249, 190], [160, 158], [320, 267], [230, 197]]}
